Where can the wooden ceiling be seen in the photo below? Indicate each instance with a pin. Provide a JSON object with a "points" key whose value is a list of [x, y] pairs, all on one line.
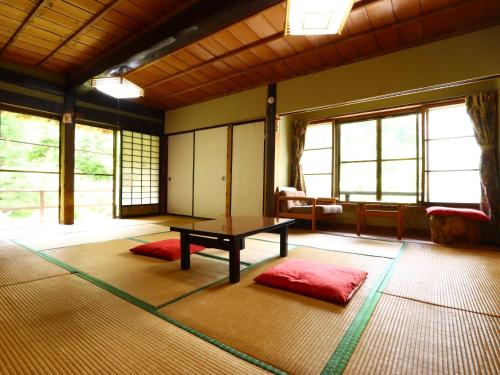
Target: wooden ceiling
{"points": [[65, 35]]}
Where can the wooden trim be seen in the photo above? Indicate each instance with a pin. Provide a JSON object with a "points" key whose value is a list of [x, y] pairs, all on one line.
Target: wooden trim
{"points": [[163, 173], [270, 150], [67, 164], [229, 169], [378, 193]]}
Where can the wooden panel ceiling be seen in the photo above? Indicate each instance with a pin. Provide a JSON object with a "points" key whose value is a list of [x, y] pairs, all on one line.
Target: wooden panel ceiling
{"points": [[63, 35], [60, 35]]}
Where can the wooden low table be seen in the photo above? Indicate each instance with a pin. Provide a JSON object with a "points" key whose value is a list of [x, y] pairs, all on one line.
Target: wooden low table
{"points": [[229, 234]]}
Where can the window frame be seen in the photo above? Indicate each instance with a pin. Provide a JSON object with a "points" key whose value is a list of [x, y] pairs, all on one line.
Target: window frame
{"points": [[379, 160], [422, 160], [425, 145]]}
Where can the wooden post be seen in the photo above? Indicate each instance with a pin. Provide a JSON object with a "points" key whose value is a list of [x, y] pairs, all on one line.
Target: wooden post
{"points": [[42, 207], [229, 169], [67, 162], [270, 150]]}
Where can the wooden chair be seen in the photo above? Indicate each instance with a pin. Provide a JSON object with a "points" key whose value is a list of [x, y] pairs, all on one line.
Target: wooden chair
{"points": [[294, 204], [381, 210]]}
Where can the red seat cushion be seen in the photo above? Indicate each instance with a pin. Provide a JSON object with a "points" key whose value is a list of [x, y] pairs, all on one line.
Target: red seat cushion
{"points": [[314, 279], [166, 249], [464, 212]]}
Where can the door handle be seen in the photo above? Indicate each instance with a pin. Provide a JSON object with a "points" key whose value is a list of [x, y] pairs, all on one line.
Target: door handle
{"points": [[223, 178], [170, 178]]}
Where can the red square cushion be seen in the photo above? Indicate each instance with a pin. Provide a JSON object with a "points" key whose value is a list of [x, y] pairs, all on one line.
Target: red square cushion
{"points": [[166, 249], [464, 212], [314, 279]]}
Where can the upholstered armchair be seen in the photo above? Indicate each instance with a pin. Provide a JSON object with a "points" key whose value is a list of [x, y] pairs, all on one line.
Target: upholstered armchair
{"points": [[291, 203]]}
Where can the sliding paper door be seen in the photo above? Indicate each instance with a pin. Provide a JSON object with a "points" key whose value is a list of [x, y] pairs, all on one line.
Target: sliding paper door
{"points": [[180, 174], [247, 169], [210, 172]]}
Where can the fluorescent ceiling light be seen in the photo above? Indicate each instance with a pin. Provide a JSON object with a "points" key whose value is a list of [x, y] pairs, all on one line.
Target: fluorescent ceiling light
{"points": [[117, 87], [316, 17]]}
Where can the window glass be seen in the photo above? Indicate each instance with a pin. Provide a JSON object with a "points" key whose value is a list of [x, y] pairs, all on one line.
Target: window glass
{"points": [[449, 121], [395, 163], [316, 160], [358, 177], [94, 173], [318, 136], [358, 141], [29, 169], [453, 156], [399, 137]]}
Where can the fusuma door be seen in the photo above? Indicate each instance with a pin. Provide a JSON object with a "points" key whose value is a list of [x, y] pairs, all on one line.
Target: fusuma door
{"points": [[210, 158], [247, 184], [180, 174]]}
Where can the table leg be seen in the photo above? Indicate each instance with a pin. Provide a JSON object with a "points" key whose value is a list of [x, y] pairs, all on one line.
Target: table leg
{"points": [[185, 254], [242, 243], [234, 260], [284, 241]]}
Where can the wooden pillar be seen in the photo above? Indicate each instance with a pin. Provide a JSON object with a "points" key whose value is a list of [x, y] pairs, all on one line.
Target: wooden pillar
{"points": [[67, 162], [270, 150]]}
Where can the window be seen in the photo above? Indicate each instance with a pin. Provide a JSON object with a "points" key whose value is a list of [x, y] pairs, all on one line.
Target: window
{"points": [[316, 160], [379, 159], [140, 168], [29, 169], [452, 172], [94, 172]]}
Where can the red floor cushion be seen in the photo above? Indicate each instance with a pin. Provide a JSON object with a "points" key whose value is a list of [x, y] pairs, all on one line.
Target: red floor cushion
{"points": [[314, 279], [166, 249], [464, 212]]}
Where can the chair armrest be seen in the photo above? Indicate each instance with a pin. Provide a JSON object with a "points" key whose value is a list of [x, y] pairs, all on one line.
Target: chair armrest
{"points": [[297, 198]]}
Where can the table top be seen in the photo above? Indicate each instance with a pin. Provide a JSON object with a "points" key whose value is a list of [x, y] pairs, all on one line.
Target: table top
{"points": [[233, 226]]}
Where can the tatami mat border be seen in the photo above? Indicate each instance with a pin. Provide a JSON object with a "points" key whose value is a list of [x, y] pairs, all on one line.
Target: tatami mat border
{"points": [[290, 247], [85, 243], [338, 361], [322, 248], [152, 309]]}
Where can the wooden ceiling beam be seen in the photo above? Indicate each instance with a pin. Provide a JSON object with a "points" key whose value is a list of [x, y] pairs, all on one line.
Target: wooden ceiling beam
{"points": [[97, 17], [257, 43], [198, 21], [34, 13], [340, 40]]}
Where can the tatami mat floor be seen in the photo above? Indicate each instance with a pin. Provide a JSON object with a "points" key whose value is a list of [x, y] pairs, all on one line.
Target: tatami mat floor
{"points": [[73, 300]]}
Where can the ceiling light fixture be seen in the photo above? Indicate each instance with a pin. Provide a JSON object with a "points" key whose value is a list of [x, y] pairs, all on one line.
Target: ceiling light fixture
{"points": [[316, 17], [117, 87]]}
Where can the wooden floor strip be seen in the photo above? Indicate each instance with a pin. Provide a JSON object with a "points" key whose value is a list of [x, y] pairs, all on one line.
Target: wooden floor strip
{"points": [[408, 337]]}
